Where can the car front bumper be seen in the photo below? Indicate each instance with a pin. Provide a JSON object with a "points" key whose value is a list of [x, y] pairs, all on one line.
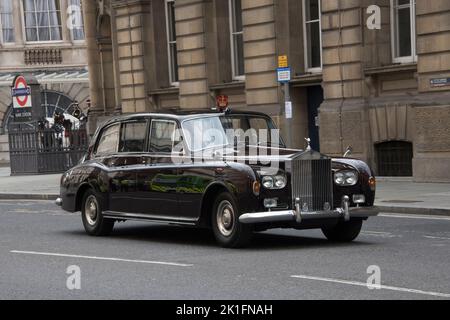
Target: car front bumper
{"points": [[345, 212]]}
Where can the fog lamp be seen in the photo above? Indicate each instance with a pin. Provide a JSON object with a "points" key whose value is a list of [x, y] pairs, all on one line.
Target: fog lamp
{"points": [[270, 203], [359, 199]]}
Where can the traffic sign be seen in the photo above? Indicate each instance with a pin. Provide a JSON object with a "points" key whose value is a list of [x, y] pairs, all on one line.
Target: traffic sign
{"points": [[21, 93], [283, 61], [288, 109], [284, 75], [22, 99]]}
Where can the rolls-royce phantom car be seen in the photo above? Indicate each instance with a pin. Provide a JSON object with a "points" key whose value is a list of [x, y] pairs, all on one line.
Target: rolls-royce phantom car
{"points": [[186, 169]]}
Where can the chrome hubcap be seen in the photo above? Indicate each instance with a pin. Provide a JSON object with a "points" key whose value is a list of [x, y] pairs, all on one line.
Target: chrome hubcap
{"points": [[225, 218], [91, 210]]}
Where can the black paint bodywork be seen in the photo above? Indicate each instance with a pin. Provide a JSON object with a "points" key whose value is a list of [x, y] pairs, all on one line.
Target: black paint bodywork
{"points": [[148, 186]]}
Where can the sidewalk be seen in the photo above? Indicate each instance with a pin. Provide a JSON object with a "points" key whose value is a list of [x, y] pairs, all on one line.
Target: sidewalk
{"points": [[393, 195], [41, 187]]}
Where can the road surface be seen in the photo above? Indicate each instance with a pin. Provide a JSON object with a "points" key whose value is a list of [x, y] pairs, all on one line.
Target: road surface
{"points": [[39, 242]]}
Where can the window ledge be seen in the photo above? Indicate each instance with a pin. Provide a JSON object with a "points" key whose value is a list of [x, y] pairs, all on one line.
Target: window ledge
{"points": [[391, 68], [307, 79], [227, 85], [170, 90]]}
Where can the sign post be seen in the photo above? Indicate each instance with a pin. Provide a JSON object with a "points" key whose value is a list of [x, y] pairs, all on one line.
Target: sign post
{"points": [[284, 77]]}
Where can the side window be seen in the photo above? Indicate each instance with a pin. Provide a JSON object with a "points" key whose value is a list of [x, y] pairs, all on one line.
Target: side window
{"points": [[133, 136], [162, 136], [109, 141]]}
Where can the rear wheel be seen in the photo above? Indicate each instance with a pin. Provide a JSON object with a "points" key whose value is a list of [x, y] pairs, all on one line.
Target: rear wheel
{"points": [[344, 231], [93, 221], [229, 232]]}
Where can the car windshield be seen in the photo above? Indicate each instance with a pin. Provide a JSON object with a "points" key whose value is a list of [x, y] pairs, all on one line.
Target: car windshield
{"points": [[230, 130], [204, 133], [252, 130]]}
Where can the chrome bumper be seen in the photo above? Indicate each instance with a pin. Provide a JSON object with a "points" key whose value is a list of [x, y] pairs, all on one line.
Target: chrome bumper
{"points": [[59, 202], [346, 213]]}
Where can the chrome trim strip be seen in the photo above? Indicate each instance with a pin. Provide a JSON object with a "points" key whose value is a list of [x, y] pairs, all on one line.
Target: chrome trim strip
{"points": [[294, 216], [145, 217]]}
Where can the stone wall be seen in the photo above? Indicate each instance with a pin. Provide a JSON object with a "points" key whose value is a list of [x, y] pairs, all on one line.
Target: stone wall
{"points": [[368, 98], [432, 122], [4, 150]]}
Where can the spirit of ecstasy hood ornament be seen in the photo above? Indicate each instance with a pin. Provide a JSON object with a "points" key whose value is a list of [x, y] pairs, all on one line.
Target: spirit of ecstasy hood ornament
{"points": [[308, 141]]}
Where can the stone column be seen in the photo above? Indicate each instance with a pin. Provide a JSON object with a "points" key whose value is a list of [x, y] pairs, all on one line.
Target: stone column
{"points": [[190, 22], [130, 30], [343, 115], [96, 96], [260, 56]]}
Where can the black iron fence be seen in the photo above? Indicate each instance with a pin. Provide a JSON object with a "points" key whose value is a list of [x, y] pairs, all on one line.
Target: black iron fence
{"points": [[37, 150]]}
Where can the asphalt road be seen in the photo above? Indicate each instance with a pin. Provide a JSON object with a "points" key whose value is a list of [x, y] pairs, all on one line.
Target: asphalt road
{"points": [[38, 242]]}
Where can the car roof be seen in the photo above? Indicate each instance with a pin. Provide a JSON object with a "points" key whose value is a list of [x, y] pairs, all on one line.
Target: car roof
{"points": [[181, 115]]}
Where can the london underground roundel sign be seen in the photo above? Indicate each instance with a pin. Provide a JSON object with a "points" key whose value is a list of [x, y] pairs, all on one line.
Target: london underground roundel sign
{"points": [[21, 93]]}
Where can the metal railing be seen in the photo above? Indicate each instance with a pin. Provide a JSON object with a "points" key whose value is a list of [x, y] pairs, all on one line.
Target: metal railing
{"points": [[35, 150]]}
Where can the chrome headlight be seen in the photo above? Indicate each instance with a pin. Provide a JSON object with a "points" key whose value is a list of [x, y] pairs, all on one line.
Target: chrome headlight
{"points": [[268, 182], [280, 182], [346, 178], [274, 182]]}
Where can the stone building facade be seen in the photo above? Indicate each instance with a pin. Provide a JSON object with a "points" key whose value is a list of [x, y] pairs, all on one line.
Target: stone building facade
{"points": [[371, 74], [45, 39]]}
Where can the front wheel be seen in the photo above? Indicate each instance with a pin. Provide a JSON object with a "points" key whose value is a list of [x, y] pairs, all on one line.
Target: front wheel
{"points": [[344, 231], [229, 232], [93, 221]]}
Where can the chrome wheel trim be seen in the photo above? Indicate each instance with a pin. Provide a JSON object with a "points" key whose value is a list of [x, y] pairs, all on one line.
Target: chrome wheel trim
{"points": [[91, 210], [225, 218]]}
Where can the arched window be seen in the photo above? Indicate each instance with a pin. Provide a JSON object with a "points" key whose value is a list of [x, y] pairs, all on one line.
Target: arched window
{"points": [[394, 159], [52, 102]]}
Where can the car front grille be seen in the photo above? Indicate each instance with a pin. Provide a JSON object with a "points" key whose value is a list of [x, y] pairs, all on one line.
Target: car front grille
{"points": [[312, 183]]}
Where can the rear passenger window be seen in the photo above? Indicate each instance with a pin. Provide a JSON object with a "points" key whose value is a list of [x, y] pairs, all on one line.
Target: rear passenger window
{"points": [[109, 141], [133, 137], [162, 135]]}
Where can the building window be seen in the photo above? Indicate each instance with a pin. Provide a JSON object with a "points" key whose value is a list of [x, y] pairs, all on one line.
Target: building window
{"points": [[404, 31], [6, 21], [42, 20], [312, 28], [237, 39], [172, 42], [76, 22], [394, 159]]}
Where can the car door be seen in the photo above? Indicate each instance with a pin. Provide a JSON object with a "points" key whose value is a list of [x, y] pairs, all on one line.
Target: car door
{"points": [[127, 162], [157, 179], [106, 154]]}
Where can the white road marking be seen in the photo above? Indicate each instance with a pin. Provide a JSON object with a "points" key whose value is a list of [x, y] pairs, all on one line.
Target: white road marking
{"points": [[380, 234], [436, 238], [101, 258], [362, 284], [410, 216]]}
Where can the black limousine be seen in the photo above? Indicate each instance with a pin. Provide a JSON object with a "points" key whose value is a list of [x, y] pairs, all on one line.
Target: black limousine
{"points": [[186, 169]]}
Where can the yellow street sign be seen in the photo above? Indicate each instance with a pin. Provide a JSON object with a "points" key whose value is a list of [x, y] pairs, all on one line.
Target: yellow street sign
{"points": [[283, 61]]}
